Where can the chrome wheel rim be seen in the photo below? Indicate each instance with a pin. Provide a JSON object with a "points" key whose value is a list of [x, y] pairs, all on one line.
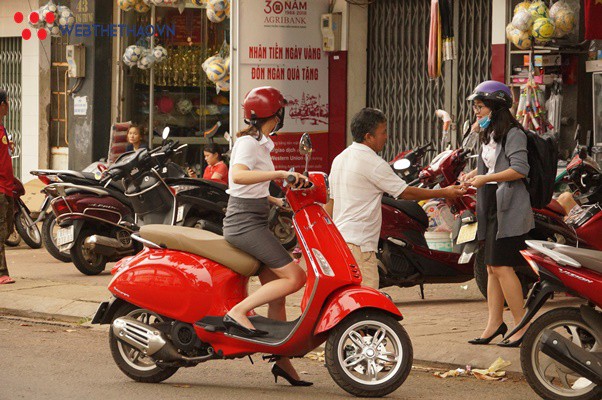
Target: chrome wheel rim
{"points": [[132, 356], [556, 377], [284, 230], [370, 352], [32, 229]]}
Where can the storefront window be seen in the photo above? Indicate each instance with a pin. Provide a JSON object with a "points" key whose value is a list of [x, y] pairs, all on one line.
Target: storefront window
{"points": [[182, 97]]}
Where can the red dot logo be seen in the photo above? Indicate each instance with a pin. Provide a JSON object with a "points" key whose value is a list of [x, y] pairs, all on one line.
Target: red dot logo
{"points": [[34, 19]]}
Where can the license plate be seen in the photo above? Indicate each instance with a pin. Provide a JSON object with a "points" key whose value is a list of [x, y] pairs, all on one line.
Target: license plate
{"points": [[467, 233], [465, 258], [180, 215], [64, 236]]}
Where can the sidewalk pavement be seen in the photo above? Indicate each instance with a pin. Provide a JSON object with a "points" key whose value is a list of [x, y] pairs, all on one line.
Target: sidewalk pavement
{"points": [[439, 326]]}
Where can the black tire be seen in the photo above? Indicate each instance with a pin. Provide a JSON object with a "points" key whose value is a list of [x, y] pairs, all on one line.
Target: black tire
{"points": [[49, 240], [481, 276], [87, 264], [530, 349], [13, 239], [154, 375], [284, 229], [32, 235], [366, 321]]}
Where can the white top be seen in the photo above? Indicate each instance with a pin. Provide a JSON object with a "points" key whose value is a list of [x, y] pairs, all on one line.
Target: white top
{"points": [[358, 179], [255, 155], [488, 154]]}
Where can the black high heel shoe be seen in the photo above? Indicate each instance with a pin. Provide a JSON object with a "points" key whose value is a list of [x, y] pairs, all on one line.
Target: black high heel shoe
{"points": [[277, 371], [508, 343], [500, 331], [231, 323]]}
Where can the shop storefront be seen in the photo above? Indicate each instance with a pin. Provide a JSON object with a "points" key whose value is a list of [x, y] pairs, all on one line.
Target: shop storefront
{"points": [[164, 79]]}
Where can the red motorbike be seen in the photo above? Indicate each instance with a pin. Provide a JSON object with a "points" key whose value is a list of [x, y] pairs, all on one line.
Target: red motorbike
{"points": [[561, 352], [170, 299], [24, 225]]}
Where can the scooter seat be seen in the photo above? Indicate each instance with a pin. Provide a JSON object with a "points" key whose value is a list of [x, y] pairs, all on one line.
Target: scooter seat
{"points": [[590, 259], [202, 243], [555, 207], [410, 208]]}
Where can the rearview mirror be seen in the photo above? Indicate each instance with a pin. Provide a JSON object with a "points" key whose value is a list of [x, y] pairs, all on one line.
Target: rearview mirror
{"points": [[165, 134], [305, 147]]}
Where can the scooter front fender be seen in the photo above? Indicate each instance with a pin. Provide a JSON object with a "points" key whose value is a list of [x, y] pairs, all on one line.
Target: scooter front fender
{"points": [[348, 299]]}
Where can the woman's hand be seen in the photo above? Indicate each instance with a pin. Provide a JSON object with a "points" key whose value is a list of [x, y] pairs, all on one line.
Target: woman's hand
{"points": [[300, 179], [467, 177], [479, 181], [191, 172]]}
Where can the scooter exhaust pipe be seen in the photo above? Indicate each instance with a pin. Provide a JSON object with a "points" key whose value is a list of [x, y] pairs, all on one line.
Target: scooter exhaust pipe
{"points": [[148, 340], [152, 342], [106, 246]]}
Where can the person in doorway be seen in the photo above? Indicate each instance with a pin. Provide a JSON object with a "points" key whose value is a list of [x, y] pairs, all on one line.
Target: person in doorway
{"points": [[503, 205], [358, 179], [246, 221], [216, 169], [6, 189], [136, 138]]}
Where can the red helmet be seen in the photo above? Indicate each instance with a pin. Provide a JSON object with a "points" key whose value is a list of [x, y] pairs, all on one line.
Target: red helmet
{"points": [[263, 102]]}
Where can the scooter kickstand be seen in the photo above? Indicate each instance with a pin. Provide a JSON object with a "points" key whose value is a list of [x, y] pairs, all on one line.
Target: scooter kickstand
{"points": [[250, 359], [422, 291]]}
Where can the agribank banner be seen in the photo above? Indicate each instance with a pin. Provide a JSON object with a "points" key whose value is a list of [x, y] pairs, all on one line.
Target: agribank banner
{"points": [[281, 46]]}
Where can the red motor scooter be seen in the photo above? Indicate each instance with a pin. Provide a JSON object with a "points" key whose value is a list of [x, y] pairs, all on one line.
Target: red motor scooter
{"points": [[561, 351], [170, 299]]}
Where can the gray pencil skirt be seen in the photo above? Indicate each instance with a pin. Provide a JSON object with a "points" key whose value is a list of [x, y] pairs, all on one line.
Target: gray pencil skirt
{"points": [[246, 228]]}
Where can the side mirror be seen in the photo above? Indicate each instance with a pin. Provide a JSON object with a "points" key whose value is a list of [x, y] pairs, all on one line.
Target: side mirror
{"points": [[305, 147], [165, 134], [583, 153], [402, 164]]}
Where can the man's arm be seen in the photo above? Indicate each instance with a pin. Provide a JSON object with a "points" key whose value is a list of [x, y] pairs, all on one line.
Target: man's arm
{"points": [[328, 207], [450, 192]]}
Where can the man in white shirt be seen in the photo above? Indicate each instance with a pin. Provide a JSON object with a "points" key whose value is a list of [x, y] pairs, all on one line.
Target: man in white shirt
{"points": [[358, 179]]}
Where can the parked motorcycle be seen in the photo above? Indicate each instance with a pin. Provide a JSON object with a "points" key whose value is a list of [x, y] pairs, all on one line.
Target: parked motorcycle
{"points": [[561, 352], [170, 299], [24, 224]]}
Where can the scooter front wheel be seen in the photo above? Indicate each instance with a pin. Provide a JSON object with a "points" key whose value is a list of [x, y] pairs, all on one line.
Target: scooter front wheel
{"points": [[28, 230], [369, 354], [86, 261]]}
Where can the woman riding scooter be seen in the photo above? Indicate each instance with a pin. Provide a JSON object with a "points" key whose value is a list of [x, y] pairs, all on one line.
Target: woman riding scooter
{"points": [[246, 221]]}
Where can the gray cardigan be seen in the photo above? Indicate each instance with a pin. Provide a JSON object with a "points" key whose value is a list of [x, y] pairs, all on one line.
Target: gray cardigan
{"points": [[514, 214]]}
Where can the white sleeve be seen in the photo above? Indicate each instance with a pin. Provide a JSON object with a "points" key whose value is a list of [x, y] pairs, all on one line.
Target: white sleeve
{"points": [[246, 153], [386, 180]]}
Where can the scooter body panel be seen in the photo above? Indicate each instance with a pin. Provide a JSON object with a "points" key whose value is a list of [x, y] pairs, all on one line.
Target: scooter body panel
{"points": [[347, 300]]}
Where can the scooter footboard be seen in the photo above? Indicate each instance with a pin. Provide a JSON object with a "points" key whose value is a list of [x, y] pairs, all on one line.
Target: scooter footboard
{"points": [[349, 299]]}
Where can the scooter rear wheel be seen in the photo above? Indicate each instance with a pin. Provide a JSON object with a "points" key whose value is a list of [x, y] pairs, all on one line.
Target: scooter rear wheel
{"points": [[28, 230], [131, 361], [550, 379], [49, 239], [86, 262], [369, 354]]}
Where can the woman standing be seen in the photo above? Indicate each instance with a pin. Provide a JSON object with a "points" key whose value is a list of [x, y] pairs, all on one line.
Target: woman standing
{"points": [[246, 221], [503, 205]]}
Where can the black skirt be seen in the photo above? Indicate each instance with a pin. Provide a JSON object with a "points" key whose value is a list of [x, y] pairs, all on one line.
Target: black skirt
{"points": [[505, 251]]}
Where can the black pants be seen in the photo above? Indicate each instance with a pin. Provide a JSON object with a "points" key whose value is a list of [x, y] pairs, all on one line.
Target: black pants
{"points": [[6, 228], [504, 251]]}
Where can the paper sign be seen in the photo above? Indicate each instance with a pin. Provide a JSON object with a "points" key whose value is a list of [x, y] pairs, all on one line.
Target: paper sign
{"points": [[467, 233], [80, 105]]}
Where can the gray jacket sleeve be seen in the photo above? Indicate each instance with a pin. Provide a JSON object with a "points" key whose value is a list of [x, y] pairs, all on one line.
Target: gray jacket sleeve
{"points": [[516, 151]]}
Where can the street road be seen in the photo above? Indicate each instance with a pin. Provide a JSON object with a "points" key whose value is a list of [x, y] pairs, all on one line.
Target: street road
{"points": [[49, 361]]}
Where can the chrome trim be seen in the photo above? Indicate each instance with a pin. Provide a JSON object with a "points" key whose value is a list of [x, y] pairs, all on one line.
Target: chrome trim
{"points": [[144, 191], [311, 298], [145, 242], [64, 216], [139, 335], [104, 210]]}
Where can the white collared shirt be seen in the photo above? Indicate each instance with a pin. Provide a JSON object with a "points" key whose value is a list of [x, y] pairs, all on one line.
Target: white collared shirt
{"points": [[255, 155], [358, 179]]}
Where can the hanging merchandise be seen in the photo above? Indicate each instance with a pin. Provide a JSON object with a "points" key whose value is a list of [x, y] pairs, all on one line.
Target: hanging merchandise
{"points": [[127, 5], [160, 53], [35, 16], [434, 50], [523, 20], [534, 22], [131, 55], [447, 30], [146, 61], [593, 16], [522, 6], [554, 104], [543, 29], [531, 112], [141, 7], [538, 9], [184, 106]]}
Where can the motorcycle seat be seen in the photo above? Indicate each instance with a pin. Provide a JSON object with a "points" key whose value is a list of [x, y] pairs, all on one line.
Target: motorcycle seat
{"points": [[590, 259], [410, 208], [555, 207], [202, 243]]}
